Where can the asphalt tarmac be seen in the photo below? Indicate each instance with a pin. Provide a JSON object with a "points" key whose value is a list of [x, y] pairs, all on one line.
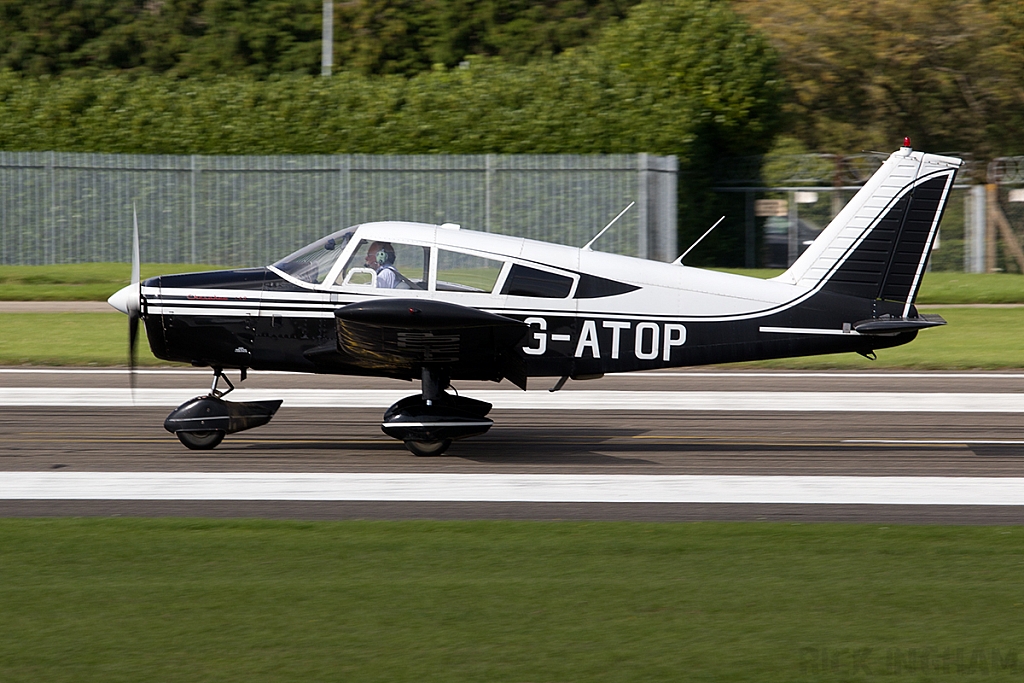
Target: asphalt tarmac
{"points": [[753, 442]]}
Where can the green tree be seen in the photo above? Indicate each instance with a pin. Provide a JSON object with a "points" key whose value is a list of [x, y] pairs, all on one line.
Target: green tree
{"points": [[261, 37], [947, 73], [518, 30]]}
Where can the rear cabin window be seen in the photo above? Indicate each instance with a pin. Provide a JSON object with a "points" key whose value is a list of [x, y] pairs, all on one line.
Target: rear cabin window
{"points": [[466, 273], [526, 281]]}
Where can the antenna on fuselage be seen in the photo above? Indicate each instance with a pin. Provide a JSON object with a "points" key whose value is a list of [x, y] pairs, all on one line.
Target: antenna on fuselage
{"points": [[679, 261], [586, 247]]}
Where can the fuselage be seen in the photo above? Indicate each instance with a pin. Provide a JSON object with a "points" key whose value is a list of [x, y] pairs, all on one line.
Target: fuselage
{"points": [[588, 312]]}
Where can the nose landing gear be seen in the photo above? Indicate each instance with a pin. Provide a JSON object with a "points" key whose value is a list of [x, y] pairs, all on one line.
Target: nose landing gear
{"points": [[202, 422]]}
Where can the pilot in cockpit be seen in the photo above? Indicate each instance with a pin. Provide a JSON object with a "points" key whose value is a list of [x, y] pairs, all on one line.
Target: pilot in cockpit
{"points": [[381, 258]]}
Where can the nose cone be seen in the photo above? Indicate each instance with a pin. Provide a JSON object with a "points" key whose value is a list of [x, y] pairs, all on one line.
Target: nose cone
{"points": [[125, 299]]}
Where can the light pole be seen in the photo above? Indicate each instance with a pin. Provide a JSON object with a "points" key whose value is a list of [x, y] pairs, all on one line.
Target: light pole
{"points": [[327, 39]]}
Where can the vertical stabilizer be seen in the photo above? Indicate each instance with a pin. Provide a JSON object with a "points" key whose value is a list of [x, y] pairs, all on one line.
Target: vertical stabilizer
{"points": [[878, 245]]}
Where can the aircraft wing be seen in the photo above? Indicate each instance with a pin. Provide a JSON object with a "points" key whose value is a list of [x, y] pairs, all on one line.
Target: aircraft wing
{"points": [[390, 335]]}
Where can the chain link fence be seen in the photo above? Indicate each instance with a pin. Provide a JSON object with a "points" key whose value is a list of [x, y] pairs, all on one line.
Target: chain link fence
{"points": [[251, 210], [790, 199]]}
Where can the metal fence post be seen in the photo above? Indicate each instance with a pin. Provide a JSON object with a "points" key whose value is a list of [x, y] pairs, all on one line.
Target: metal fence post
{"points": [[344, 190], [793, 236], [991, 201], [670, 207], [192, 207], [974, 230], [327, 39], [489, 164], [643, 244]]}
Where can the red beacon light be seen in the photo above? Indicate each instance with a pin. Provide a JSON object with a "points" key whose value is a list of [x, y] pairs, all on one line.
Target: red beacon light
{"points": [[906, 142]]}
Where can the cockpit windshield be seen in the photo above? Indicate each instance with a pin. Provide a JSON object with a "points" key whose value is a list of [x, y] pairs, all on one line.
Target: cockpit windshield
{"points": [[314, 261]]}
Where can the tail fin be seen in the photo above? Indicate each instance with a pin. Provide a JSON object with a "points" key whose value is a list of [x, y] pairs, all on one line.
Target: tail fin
{"points": [[877, 246]]}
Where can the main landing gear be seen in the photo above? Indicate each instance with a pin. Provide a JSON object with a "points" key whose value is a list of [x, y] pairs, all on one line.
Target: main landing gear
{"points": [[429, 421], [202, 422]]}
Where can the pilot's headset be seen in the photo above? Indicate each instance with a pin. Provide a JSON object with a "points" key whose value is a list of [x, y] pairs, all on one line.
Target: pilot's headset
{"points": [[385, 255]]}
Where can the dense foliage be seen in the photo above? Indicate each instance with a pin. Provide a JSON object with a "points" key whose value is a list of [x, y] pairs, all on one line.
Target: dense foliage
{"points": [[948, 73], [676, 77], [261, 37]]}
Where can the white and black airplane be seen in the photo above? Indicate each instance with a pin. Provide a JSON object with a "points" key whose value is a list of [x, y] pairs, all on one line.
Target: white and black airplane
{"points": [[438, 303]]}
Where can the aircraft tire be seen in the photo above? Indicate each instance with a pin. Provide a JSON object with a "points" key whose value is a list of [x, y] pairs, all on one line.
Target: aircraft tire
{"points": [[201, 441], [424, 449]]}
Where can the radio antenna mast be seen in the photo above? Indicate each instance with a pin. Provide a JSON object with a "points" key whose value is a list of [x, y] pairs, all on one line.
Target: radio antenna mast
{"points": [[586, 247], [679, 261]]}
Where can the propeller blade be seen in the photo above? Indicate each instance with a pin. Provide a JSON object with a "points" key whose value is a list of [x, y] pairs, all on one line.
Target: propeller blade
{"points": [[134, 306], [135, 246], [133, 344]]}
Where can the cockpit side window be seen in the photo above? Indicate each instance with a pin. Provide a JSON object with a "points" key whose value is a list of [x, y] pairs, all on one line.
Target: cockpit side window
{"points": [[314, 261], [387, 265], [458, 272], [525, 281]]}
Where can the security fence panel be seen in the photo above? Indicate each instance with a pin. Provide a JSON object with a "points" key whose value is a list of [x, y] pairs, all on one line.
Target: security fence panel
{"points": [[573, 197], [422, 188], [790, 199], [251, 210], [24, 214]]}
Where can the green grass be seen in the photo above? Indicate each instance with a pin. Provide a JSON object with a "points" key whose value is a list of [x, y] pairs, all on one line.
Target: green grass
{"points": [[482, 279], [763, 273], [185, 600], [79, 281], [68, 339], [972, 288], [97, 281], [944, 287], [974, 339]]}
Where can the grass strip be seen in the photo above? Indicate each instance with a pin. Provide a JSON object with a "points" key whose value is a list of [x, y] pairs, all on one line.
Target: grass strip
{"points": [[971, 288], [69, 339], [78, 281], [944, 287], [183, 600], [974, 339]]}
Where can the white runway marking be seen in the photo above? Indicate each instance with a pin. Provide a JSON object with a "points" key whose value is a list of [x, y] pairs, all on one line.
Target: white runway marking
{"points": [[552, 488], [940, 442], [786, 401]]}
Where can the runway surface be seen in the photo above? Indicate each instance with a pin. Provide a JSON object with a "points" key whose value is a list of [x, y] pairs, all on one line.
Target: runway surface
{"points": [[759, 428]]}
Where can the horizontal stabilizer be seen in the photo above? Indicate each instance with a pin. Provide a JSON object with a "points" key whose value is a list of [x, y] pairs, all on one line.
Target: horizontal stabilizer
{"points": [[894, 325]]}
